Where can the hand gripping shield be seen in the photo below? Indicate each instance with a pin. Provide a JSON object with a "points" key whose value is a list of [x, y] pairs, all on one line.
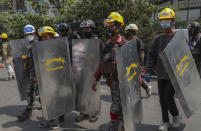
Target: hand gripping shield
{"points": [[129, 78], [53, 72], [183, 73]]}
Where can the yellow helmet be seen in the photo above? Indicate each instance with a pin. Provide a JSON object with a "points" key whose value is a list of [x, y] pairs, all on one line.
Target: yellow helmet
{"points": [[46, 30], [4, 36], [114, 16], [166, 13]]}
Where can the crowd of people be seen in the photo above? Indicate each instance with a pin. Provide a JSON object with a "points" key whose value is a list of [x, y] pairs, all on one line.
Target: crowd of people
{"points": [[108, 66]]}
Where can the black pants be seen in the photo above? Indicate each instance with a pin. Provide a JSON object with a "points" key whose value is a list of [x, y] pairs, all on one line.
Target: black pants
{"points": [[31, 95], [166, 95], [144, 85], [116, 108], [198, 63]]}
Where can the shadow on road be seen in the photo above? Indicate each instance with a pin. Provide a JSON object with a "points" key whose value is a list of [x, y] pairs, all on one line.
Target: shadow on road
{"points": [[154, 94], [32, 125], [181, 128], [13, 110], [146, 127], [73, 129], [3, 79]]}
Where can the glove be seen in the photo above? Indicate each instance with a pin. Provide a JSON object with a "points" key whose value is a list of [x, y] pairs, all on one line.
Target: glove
{"points": [[147, 77]]}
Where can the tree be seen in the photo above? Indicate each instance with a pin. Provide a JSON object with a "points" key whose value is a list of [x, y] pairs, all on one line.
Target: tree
{"points": [[138, 12]]}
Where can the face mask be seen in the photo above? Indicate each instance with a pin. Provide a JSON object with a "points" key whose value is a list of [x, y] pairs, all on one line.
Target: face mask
{"points": [[3, 40], [110, 33], [30, 37], [64, 33], [127, 35], [165, 24], [87, 34]]}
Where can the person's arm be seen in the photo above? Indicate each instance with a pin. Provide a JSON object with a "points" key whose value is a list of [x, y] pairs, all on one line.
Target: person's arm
{"points": [[97, 77], [140, 48], [141, 53], [151, 57], [98, 73]]}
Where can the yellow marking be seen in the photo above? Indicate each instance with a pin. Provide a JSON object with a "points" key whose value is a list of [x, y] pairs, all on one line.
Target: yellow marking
{"points": [[59, 60], [91, 56], [24, 57], [130, 78], [56, 68], [25, 65], [48, 62], [91, 59], [182, 60], [129, 69], [181, 73]]}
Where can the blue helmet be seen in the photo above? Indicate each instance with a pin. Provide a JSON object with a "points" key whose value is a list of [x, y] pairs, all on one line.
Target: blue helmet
{"points": [[29, 29], [57, 27]]}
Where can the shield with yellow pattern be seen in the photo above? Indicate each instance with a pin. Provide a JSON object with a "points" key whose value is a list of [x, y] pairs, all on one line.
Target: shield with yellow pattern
{"points": [[183, 73], [129, 79], [53, 72]]}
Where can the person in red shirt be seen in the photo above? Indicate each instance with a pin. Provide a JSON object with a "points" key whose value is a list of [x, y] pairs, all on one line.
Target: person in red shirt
{"points": [[108, 66]]}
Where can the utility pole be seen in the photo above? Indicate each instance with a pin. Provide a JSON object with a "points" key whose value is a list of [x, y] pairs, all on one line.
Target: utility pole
{"points": [[200, 10], [171, 2], [187, 12]]}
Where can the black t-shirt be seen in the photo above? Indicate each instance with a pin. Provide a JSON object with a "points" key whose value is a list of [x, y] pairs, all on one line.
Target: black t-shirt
{"points": [[140, 44], [153, 59]]}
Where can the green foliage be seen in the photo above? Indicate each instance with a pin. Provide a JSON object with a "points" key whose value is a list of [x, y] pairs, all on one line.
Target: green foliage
{"points": [[137, 12], [140, 14], [39, 6], [133, 12], [5, 5]]}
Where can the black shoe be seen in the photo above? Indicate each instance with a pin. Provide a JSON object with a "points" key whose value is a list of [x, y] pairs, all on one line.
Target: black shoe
{"points": [[113, 128], [57, 125], [13, 77], [93, 118], [45, 124], [81, 117], [25, 115], [39, 108]]}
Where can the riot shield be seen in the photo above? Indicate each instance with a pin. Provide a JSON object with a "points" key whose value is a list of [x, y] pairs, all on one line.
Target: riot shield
{"points": [[182, 71], [19, 49], [129, 78], [52, 64], [86, 56], [185, 31]]}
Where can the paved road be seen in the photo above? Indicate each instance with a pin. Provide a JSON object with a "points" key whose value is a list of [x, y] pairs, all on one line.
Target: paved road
{"points": [[10, 106]]}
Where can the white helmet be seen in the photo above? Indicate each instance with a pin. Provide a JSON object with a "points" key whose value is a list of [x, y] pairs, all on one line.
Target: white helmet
{"points": [[131, 27], [29, 29], [56, 35]]}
